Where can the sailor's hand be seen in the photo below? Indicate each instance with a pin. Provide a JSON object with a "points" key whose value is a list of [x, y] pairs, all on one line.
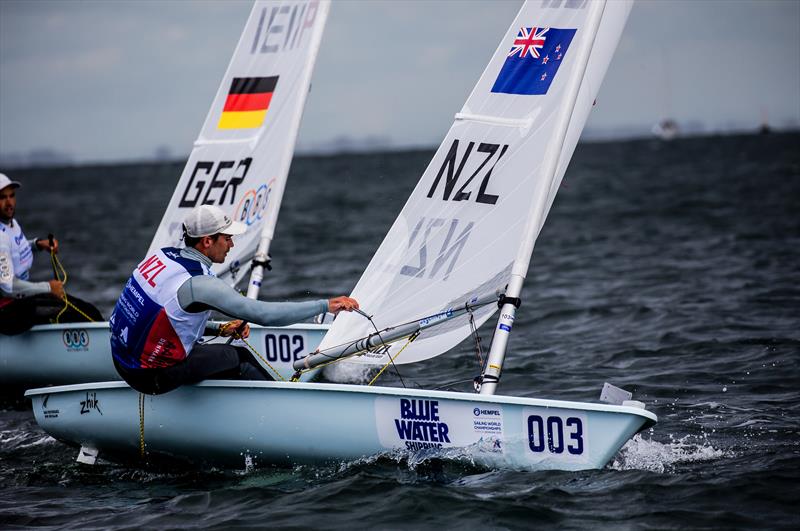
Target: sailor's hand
{"points": [[339, 304], [44, 245], [57, 288], [235, 327]]}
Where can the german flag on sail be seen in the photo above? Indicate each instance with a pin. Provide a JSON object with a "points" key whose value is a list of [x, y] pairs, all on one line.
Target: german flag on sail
{"points": [[247, 102]]}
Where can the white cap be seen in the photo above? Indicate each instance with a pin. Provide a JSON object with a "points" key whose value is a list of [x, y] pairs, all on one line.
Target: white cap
{"points": [[5, 182], [207, 220]]}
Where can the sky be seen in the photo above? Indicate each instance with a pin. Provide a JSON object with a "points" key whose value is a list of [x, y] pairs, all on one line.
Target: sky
{"points": [[125, 80]]}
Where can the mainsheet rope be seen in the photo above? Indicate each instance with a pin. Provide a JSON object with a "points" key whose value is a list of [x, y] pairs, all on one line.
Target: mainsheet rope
{"points": [[60, 274], [141, 425], [474, 330], [411, 338], [384, 344], [236, 335]]}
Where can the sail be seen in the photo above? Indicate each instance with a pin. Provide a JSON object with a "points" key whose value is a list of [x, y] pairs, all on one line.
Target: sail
{"points": [[471, 221], [241, 159]]}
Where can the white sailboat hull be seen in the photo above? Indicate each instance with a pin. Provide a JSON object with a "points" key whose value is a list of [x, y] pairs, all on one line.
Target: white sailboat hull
{"points": [[238, 423], [80, 352], [57, 354]]}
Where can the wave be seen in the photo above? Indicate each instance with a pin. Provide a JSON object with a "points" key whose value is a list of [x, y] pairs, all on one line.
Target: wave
{"points": [[653, 456]]}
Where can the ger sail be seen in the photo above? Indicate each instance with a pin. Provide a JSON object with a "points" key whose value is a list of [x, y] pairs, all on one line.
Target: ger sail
{"points": [[241, 159], [467, 232]]}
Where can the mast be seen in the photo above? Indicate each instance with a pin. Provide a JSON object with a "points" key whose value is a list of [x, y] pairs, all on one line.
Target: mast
{"points": [[510, 303], [261, 258]]}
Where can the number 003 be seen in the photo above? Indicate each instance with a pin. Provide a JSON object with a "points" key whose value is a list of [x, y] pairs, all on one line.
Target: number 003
{"points": [[555, 434]]}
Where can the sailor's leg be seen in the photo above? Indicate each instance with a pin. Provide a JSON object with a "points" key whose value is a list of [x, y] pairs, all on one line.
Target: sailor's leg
{"points": [[249, 368], [16, 316], [218, 361], [19, 315]]}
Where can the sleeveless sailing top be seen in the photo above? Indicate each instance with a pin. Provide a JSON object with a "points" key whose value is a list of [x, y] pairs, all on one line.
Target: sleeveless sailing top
{"points": [[149, 329], [16, 255]]}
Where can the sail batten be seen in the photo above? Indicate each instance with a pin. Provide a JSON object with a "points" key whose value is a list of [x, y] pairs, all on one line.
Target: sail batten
{"points": [[219, 142], [494, 120]]}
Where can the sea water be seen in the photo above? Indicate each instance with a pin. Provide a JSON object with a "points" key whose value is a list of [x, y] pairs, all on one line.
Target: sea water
{"points": [[670, 269]]}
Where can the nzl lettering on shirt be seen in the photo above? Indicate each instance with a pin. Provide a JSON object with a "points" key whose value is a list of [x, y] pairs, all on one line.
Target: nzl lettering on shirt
{"points": [[150, 269]]}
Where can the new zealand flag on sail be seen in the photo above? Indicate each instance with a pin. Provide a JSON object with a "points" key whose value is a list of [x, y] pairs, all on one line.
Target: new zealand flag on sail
{"points": [[533, 61]]}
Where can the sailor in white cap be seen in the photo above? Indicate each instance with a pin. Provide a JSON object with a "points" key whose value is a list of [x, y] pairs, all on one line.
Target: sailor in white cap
{"points": [[16, 251], [164, 308], [22, 303]]}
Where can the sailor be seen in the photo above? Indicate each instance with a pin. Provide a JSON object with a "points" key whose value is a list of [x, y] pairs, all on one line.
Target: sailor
{"points": [[163, 312], [23, 303]]}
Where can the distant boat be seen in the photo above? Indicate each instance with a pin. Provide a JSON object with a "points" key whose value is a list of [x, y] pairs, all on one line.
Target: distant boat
{"points": [[764, 128], [666, 129], [240, 162], [459, 250]]}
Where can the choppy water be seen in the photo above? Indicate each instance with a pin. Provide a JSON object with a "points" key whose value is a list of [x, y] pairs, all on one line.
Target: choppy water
{"points": [[672, 270]]}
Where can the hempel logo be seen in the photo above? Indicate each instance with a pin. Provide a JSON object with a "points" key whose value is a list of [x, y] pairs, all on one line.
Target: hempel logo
{"points": [[478, 412]]}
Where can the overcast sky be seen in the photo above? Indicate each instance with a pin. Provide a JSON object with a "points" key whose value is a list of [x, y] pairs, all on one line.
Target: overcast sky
{"points": [[115, 80]]}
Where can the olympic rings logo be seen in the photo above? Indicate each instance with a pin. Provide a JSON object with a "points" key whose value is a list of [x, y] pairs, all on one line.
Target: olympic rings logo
{"points": [[253, 204], [75, 339]]}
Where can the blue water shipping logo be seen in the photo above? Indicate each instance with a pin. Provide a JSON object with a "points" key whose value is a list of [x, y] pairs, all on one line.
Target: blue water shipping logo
{"points": [[419, 424]]}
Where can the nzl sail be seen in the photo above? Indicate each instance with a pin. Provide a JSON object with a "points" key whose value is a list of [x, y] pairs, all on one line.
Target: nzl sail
{"points": [[241, 159], [468, 229]]}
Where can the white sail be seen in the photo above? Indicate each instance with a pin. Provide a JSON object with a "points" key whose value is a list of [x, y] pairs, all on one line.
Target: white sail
{"points": [[241, 159], [472, 218]]}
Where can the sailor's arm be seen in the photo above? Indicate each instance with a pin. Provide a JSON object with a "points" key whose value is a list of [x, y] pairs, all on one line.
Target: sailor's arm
{"points": [[10, 285], [202, 293], [43, 244], [21, 289]]}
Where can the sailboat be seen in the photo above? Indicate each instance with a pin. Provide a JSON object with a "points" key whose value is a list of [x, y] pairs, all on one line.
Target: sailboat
{"points": [[459, 250], [667, 128], [239, 162]]}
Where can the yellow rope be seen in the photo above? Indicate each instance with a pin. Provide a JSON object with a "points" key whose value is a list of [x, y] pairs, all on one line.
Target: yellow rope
{"points": [[225, 326], [89, 319], [58, 266], [391, 360], [296, 378], [61, 275], [141, 425], [262, 359]]}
